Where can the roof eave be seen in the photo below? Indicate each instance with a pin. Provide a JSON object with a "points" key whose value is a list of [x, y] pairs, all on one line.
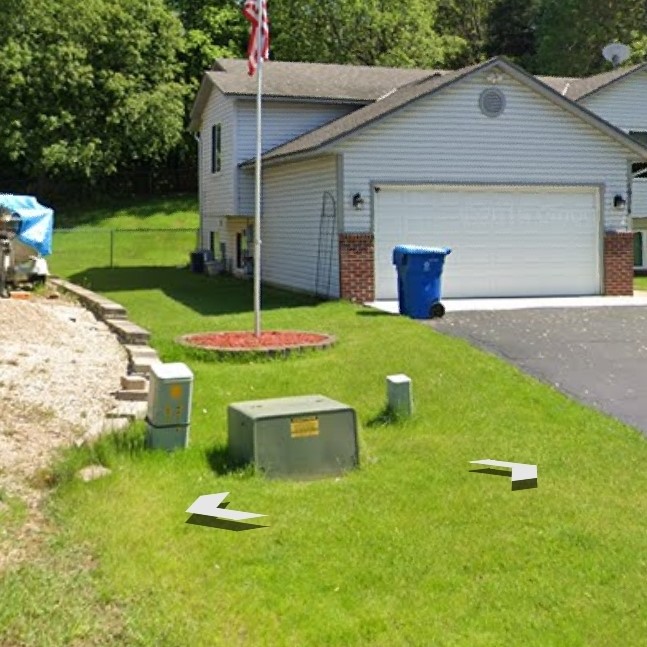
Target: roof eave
{"points": [[610, 83], [201, 100], [289, 157], [300, 99]]}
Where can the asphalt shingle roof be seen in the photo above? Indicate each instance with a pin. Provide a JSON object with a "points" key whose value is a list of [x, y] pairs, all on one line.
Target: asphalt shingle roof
{"points": [[580, 88], [560, 84], [367, 83], [395, 100], [359, 84], [353, 83]]}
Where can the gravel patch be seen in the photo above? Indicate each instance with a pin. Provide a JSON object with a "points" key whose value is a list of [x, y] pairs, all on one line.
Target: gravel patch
{"points": [[59, 369]]}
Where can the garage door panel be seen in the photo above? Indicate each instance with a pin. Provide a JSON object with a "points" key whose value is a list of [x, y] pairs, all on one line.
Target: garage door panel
{"points": [[521, 242]]}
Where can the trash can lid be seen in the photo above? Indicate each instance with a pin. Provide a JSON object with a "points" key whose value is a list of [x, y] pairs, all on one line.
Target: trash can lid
{"points": [[418, 249]]}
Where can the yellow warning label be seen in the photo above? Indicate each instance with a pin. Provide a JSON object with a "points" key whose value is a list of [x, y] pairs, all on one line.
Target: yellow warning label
{"points": [[176, 391], [303, 427]]}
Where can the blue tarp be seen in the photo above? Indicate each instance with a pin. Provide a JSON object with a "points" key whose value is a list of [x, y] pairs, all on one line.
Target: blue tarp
{"points": [[36, 221]]}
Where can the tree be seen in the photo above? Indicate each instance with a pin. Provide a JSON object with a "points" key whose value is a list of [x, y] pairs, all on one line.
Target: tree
{"points": [[213, 29], [572, 33], [467, 20], [362, 32], [89, 86], [511, 30]]}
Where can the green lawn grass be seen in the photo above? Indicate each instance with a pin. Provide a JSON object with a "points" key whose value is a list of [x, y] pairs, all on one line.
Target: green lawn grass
{"points": [[160, 232], [411, 549], [121, 213], [640, 283]]}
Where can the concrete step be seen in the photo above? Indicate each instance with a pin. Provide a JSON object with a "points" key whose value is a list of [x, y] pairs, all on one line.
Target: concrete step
{"points": [[109, 310], [134, 383], [129, 332], [101, 306], [140, 351], [132, 395], [142, 366]]}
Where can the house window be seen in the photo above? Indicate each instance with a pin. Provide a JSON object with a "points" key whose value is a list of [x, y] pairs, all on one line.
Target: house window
{"points": [[214, 243], [216, 148], [638, 249], [244, 244], [240, 251]]}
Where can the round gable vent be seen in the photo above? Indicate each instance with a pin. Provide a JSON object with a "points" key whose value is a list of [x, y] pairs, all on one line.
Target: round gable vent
{"points": [[492, 102]]}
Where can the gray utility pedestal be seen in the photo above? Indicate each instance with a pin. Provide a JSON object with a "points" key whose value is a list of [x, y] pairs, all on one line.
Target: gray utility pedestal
{"points": [[169, 405], [299, 437]]}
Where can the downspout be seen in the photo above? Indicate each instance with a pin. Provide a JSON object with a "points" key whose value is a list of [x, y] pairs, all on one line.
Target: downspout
{"points": [[200, 232]]}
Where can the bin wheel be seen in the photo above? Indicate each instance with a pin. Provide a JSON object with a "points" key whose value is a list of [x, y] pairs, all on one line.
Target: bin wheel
{"points": [[437, 310]]}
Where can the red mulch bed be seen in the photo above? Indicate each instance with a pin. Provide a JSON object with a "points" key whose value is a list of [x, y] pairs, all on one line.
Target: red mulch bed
{"points": [[268, 341]]}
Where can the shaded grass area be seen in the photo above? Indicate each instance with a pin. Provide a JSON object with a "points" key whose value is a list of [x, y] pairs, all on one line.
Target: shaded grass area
{"points": [[411, 549]]}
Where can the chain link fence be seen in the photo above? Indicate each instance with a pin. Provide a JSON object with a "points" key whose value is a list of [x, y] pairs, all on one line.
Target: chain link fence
{"points": [[81, 248]]}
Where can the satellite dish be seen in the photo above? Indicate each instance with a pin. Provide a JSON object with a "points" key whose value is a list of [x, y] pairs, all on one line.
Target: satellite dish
{"points": [[616, 53]]}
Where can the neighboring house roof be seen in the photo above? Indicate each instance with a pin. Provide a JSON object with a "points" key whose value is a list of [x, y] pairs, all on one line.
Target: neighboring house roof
{"points": [[322, 137], [580, 88], [560, 84]]}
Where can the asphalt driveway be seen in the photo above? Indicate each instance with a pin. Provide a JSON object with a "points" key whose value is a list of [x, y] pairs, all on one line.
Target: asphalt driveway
{"points": [[596, 355]]}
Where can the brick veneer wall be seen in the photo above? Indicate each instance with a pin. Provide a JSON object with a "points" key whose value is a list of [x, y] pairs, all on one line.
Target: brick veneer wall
{"points": [[618, 263], [356, 272]]}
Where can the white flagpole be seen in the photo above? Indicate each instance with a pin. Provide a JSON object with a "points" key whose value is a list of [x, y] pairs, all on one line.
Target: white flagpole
{"points": [[257, 210]]}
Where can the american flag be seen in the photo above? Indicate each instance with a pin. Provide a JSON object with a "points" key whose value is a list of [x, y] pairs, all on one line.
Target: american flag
{"points": [[250, 11]]}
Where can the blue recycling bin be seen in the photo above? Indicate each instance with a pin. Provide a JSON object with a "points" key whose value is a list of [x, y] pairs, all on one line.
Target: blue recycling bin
{"points": [[419, 280]]}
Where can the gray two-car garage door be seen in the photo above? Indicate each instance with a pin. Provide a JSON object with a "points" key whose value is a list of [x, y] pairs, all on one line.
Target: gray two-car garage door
{"points": [[506, 241]]}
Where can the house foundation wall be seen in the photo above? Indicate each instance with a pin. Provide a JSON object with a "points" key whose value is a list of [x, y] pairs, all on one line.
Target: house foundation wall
{"points": [[356, 271], [618, 263], [357, 278]]}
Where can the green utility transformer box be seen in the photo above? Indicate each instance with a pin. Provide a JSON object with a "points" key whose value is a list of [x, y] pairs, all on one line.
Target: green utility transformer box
{"points": [[169, 405], [300, 437]]}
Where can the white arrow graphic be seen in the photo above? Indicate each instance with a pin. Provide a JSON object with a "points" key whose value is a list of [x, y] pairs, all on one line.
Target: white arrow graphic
{"points": [[207, 505], [523, 475]]}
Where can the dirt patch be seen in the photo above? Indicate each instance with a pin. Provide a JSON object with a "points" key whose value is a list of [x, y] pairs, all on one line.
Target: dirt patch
{"points": [[59, 368]]}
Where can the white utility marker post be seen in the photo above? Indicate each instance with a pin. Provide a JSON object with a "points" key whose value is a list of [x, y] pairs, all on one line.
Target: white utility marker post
{"points": [[399, 394]]}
